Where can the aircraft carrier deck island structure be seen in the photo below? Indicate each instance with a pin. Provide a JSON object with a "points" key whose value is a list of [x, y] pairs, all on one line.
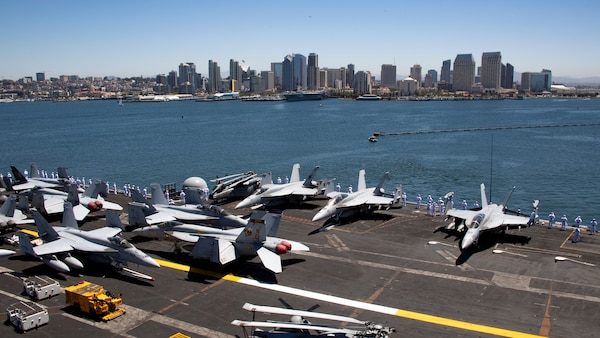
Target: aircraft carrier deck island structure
{"points": [[304, 96]]}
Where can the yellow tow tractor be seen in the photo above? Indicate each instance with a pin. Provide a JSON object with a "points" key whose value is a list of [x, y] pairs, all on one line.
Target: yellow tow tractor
{"points": [[94, 300]]}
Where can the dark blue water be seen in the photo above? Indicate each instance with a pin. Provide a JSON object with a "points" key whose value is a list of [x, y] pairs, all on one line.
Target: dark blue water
{"points": [[141, 143]]}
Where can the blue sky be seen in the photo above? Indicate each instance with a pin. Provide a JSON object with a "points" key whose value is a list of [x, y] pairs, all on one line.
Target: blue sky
{"points": [[132, 38]]}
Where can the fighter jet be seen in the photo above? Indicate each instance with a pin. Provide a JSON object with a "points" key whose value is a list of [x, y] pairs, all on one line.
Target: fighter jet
{"points": [[298, 326], [142, 212], [271, 195], [491, 217], [23, 183], [10, 215], [364, 200], [102, 244], [51, 201], [235, 186], [224, 246]]}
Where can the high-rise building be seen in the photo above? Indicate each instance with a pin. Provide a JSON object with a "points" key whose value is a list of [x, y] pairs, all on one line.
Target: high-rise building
{"points": [[40, 77], [235, 75], [463, 76], [388, 76], [445, 74], [276, 69], [362, 83], [491, 70], [430, 79], [172, 80], [313, 71], [214, 77], [287, 73], [267, 80], [187, 74], [415, 73], [300, 76], [350, 75], [322, 78], [508, 76]]}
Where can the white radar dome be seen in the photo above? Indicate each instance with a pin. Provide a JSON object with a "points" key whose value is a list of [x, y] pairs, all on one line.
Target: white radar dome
{"points": [[195, 183]]}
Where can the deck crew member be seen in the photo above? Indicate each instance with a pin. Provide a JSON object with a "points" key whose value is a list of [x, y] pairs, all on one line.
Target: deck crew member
{"points": [[563, 221], [338, 187], [403, 199], [577, 221], [464, 204], [419, 198], [593, 225], [278, 180], [182, 197], [576, 236], [531, 219], [551, 218], [350, 189]]}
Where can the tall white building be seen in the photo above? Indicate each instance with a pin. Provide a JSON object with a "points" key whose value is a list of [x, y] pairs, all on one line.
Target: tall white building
{"points": [[491, 70]]}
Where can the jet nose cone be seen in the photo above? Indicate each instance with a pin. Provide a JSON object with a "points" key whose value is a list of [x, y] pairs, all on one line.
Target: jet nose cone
{"points": [[248, 202], [469, 238], [323, 214]]}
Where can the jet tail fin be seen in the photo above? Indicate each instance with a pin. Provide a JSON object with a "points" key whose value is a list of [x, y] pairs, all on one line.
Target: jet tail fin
{"points": [[45, 230], [7, 183], [62, 173], [505, 203], [73, 195], [295, 175], [25, 244], [95, 189], [158, 197], [378, 190], [136, 213], [272, 221], [192, 196], [266, 179], [8, 208], [255, 230], [484, 200], [308, 182], [17, 175], [329, 186], [113, 220], [33, 173], [68, 219]]}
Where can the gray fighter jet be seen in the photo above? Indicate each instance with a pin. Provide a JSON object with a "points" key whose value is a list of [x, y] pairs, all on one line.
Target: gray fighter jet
{"points": [[102, 244], [224, 246]]}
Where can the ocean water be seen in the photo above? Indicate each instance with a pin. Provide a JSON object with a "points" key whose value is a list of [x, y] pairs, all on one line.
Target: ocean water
{"points": [[142, 143]]}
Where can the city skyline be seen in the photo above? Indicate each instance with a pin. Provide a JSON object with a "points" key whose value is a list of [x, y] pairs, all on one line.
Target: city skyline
{"points": [[134, 38]]}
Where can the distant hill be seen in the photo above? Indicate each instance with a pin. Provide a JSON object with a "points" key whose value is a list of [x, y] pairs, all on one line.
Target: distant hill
{"points": [[571, 81]]}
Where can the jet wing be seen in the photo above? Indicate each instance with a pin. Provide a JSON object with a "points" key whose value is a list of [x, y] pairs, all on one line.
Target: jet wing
{"points": [[462, 214], [270, 260], [80, 212], [105, 232], [159, 217], [366, 200], [184, 236], [57, 246], [508, 220]]}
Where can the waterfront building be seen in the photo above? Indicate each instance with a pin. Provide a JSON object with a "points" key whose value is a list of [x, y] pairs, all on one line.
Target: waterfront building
{"points": [[335, 78], [172, 80], [508, 72], [415, 73], [322, 78], [40, 77], [235, 75], [362, 82], [408, 86], [350, 75], [536, 82], [491, 71], [214, 77], [267, 80], [300, 76], [287, 73], [445, 73], [430, 79], [313, 72], [277, 71], [187, 75], [388, 76], [463, 76]]}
